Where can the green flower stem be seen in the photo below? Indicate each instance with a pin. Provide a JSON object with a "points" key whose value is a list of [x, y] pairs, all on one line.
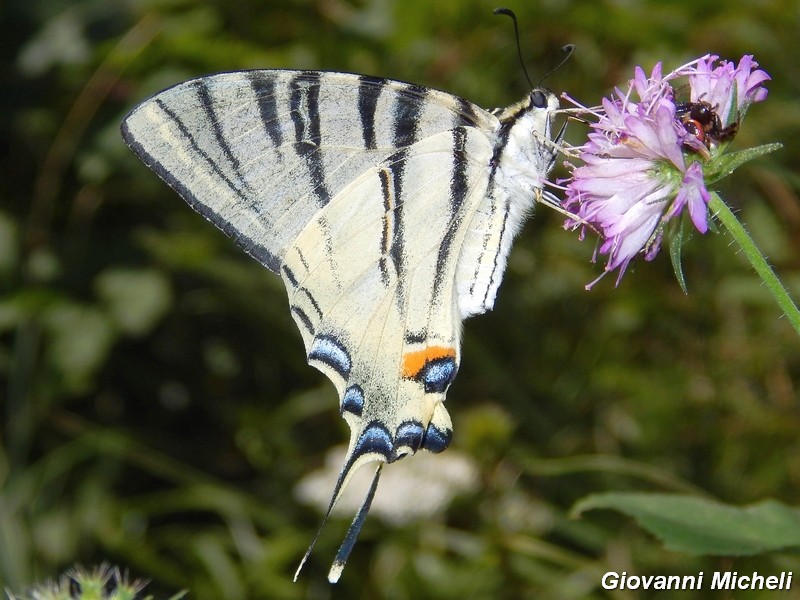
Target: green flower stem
{"points": [[756, 259]]}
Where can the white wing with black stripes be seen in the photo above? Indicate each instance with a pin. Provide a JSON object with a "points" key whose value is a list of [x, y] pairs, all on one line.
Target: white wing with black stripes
{"points": [[388, 210]]}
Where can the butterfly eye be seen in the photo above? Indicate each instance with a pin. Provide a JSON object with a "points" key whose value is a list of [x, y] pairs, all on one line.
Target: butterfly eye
{"points": [[538, 99]]}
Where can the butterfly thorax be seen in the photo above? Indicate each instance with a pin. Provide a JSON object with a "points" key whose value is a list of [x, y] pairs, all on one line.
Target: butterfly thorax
{"points": [[523, 153]]}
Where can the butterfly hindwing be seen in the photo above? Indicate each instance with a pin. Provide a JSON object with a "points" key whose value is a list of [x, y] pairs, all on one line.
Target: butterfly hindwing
{"points": [[373, 292], [371, 283]]}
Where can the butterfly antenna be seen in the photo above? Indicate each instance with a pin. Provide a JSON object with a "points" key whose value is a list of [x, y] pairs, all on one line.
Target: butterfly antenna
{"points": [[568, 49], [510, 13]]}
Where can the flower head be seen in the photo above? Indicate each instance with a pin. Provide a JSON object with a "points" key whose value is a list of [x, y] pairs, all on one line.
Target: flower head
{"points": [[648, 156], [103, 582]]}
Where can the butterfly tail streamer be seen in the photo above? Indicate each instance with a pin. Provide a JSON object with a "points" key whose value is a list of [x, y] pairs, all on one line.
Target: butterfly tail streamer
{"points": [[355, 528], [312, 544], [337, 492]]}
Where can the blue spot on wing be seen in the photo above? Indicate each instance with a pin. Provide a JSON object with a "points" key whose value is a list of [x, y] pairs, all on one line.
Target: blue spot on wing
{"points": [[409, 435], [353, 400], [436, 440], [330, 351], [375, 439], [438, 374]]}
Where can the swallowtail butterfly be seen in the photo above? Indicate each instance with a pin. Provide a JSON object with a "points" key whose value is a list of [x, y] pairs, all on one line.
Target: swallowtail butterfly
{"points": [[387, 208]]}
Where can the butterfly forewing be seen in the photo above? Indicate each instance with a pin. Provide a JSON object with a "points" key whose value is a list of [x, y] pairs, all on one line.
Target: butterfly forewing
{"points": [[258, 152], [387, 209]]}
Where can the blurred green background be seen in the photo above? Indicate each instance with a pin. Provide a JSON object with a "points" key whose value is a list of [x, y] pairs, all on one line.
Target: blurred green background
{"points": [[157, 411]]}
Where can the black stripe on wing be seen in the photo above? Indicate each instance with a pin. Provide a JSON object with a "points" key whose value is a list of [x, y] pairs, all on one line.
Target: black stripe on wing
{"points": [[389, 224], [396, 164], [304, 106], [459, 188], [369, 90], [190, 139], [408, 108], [264, 89], [207, 104], [254, 249], [294, 287], [408, 105], [500, 145]]}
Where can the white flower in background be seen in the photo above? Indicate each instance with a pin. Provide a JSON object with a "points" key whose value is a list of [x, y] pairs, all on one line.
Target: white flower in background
{"points": [[415, 488]]}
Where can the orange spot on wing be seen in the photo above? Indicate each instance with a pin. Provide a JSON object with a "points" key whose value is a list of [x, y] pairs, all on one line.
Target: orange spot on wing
{"points": [[413, 362]]}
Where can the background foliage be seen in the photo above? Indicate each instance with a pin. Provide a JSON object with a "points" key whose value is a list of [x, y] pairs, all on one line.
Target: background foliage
{"points": [[157, 408]]}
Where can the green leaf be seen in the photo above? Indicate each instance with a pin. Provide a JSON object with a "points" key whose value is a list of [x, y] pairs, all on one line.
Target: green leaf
{"points": [[728, 162], [9, 243], [675, 246], [699, 526], [135, 299], [80, 338]]}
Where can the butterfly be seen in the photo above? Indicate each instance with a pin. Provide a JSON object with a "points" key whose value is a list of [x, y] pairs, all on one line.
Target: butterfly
{"points": [[387, 208]]}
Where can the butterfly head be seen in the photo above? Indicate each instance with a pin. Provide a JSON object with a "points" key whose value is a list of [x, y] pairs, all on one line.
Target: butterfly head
{"points": [[540, 101], [543, 99], [526, 149], [527, 125]]}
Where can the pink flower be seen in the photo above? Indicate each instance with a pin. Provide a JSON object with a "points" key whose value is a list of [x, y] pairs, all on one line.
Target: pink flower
{"points": [[645, 161], [694, 195], [724, 86]]}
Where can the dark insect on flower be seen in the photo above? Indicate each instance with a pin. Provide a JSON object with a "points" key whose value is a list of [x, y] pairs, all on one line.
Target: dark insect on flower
{"points": [[701, 120]]}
